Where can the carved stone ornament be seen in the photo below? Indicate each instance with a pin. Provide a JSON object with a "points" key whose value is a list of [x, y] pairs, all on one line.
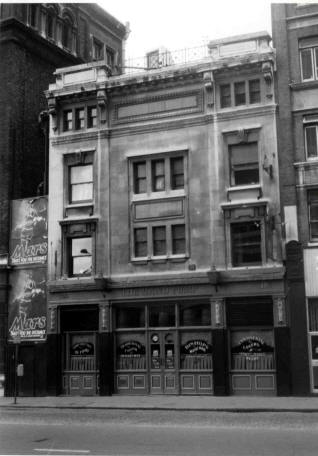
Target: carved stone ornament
{"points": [[101, 101], [242, 135]]}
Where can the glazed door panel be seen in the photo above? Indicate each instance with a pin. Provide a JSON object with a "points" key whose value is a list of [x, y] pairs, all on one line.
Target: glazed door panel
{"points": [[163, 369]]}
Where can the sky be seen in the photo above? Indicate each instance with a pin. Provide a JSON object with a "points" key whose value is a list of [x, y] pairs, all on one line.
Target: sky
{"points": [[176, 24]]}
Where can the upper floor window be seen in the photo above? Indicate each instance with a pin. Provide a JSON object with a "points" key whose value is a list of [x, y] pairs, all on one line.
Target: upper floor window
{"points": [[81, 183], [160, 240], [67, 120], [244, 166], [33, 15], [80, 256], [98, 50], [313, 214], [67, 32], [311, 138], [85, 117], [309, 58], [246, 243], [240, 93], [158, 175], [110, 57]]}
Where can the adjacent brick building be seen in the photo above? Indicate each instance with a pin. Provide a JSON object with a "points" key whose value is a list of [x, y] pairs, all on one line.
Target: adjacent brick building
{"points": [[295, 37], [35, 39]]}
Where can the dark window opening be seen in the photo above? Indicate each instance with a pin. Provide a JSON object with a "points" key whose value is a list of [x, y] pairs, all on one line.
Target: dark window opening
{"points": [[254, 91], [67, 120], [159, 240], [225, 91], [79, 119], [311, 141], [246, 243], [91, 117], [141, 245], [140, 179], [313, 214], [162, 315], [239, 93], [178, 239], [177, 173]]}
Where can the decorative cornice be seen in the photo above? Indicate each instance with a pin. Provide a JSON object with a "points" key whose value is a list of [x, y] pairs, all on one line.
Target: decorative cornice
{"points": [[246, 112], [80, 137]]}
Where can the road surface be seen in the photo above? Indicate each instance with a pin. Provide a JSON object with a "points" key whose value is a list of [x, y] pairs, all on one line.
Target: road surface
{"points": [[158, 433]]}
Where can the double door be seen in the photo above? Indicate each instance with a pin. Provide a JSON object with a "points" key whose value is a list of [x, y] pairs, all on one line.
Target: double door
{"points": [[163, 360]]}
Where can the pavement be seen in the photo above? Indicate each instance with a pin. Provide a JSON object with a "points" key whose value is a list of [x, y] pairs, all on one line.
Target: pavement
{"points": [[160, 402]]}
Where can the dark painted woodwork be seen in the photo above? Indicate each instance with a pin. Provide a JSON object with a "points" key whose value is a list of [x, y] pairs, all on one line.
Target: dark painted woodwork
{"points": [[54, 365], [282, 354], [105, 342], [220, 362]]}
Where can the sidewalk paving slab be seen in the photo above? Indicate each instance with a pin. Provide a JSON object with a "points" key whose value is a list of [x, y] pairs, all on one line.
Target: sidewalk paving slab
{"points": [[185, 403]]}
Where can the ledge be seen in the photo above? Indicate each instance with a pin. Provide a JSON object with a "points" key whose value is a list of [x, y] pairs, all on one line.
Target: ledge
{"points": [[78, 284]]}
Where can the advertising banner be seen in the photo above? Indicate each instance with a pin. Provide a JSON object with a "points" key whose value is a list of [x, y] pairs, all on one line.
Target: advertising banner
{"points": [[29, 232], [27, 305]]}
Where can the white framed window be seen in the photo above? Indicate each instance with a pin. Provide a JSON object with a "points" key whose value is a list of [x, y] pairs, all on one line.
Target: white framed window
{"points": [[240, 93], [308, 53]]}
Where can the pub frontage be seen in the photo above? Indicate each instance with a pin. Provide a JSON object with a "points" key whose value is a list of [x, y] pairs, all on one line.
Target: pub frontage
{"points": [[166, 339]]}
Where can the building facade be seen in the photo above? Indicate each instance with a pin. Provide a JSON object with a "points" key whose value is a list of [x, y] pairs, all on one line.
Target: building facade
{"points": [[295, 34], [165, 269], [35, 40]]}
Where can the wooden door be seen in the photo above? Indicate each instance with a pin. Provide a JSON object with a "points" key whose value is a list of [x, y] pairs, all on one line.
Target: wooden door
{"points": [[163, 360]]}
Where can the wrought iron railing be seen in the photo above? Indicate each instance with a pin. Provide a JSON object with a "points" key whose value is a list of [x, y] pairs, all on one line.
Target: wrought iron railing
{"points": [[164, 58]]}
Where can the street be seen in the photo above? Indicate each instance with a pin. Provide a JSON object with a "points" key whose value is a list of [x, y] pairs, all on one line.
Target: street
{"points": [[125, 432]]}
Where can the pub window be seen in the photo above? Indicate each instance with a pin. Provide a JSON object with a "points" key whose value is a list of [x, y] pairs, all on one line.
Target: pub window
{"points": [[141, 243], [79, 119], [311, 143], [178, 239], [246, 243], [162, 315], [91, 117], [313, 214], [313, 314], [239, 93], [244, 167], [225, 93], [254, 91], [67, 120], [158, 175], [81, 183], [195, 314], [130, 316], [159, 240]]}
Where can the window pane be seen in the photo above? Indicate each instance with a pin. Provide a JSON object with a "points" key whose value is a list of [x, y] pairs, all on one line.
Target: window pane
{"points": [[79, 119], [140, 181], [178, 239], [159, 240], [311, 141], [141, 249], [162, 315], [177, 173], [81, 174], [313, 314], [81, 246], [195, 314], [91, 116], [81, 192], [239, 93], [81, 253], [306, 64], [130, 317], [67, 120], [244, 164], [254, 91], [246, 243], [225, 91], [158, 175]]}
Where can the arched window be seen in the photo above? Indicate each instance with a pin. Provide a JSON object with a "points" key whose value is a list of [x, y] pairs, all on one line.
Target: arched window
{"points": [[67, 30], [32, 15]]}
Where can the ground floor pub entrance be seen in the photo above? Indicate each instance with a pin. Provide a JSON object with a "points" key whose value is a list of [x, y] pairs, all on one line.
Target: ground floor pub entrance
{"points": [[79, 351], [163, 348]]}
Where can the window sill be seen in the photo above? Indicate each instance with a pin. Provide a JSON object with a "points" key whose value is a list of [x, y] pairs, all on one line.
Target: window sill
{"points": [[157, 195], [304, 85], [160, 259]]}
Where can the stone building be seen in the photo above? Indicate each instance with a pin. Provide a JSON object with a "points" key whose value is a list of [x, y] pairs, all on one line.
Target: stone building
{"points": [[36, 39], [295, 37], [165, 272]]}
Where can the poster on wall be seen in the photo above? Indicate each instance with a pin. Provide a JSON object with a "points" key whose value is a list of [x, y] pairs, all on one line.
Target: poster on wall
{"points": [[28, 244], [27, 305]]}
